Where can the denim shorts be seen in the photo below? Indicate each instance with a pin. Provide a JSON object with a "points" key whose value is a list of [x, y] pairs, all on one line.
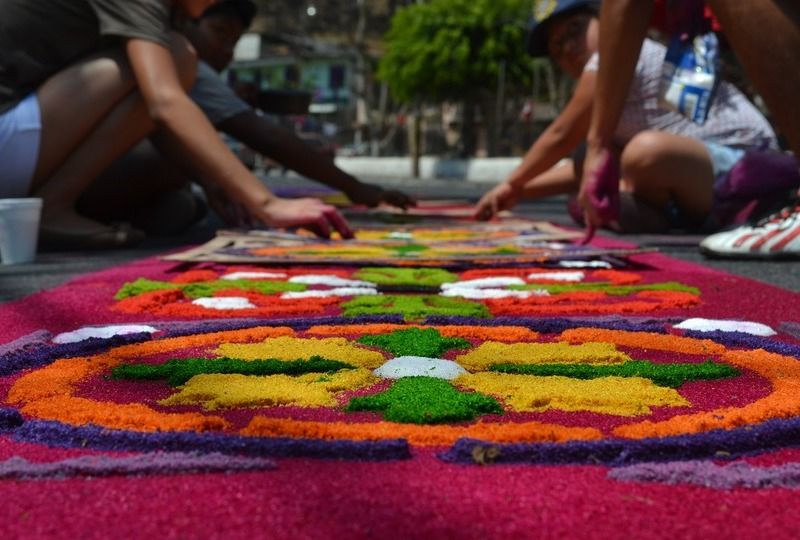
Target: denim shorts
{"points": [[20, 135], [723, 158]]}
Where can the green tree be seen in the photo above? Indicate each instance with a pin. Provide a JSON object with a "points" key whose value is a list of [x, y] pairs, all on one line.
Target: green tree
{"points": [[457, 50]]}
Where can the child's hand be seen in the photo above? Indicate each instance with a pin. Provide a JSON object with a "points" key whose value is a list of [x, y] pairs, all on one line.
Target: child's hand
{"points": [[599, 191], [320, 218], [501, 197]]}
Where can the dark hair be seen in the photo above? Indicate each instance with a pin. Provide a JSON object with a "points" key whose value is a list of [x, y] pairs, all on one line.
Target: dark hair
{"points": [[244, 10]]}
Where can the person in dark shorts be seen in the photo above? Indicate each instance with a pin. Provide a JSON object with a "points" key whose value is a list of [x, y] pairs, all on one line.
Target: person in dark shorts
{"points": [[150, 189], [82, 82]]}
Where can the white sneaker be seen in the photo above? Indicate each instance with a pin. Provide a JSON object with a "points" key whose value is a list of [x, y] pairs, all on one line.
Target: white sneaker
{"points": [[774, 237]]}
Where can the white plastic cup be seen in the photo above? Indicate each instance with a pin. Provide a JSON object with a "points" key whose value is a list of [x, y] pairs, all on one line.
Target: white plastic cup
{"points": [[19, 229]]}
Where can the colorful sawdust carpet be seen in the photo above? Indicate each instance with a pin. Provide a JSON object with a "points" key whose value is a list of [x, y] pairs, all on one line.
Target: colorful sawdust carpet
{"points": [[578, 400], [509, 242]]}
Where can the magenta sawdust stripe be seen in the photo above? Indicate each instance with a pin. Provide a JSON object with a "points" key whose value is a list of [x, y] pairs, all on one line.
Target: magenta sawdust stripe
{"points": [[709, 474], [33, 340], [26, 359], [734, 443], [749, 341], [10, 418], [554, 325], [185, 328], [58, 434], [17, 468]]}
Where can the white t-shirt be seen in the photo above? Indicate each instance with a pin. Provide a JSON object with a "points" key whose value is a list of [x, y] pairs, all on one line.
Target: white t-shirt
{"points": [[732, 121]]}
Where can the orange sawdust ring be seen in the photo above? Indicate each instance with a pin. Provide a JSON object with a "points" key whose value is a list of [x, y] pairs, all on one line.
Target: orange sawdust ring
{"points": [[48, 393], [261, 426]]}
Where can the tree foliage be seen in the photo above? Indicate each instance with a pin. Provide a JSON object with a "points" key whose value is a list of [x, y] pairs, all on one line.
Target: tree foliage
{"points": [[453, 49]]}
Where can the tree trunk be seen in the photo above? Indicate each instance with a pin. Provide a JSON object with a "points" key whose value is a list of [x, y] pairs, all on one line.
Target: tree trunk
{"points": [[468, 138], [360, 87], [416, 142]]}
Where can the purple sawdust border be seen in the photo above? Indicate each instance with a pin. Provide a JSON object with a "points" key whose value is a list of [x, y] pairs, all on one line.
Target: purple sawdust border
{"points": [[741, 339], [26, 358], [183, 328], [716, 444], [790, 327], [10, 418], [711, 475], [32, 354], [34, 340], [17, 468], [57, 434]]}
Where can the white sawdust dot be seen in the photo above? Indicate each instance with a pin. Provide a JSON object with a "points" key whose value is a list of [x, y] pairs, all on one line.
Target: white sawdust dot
{"points": [[485, 283], [723, 325], [103, 332], [325, 293], [252, 275], [584, 264], [224, 302], [557, 276], [329, 280], [420, 366], [484, 294]]}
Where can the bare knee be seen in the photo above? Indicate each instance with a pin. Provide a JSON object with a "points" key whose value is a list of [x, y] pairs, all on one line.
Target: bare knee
{"points": [[641, 154], [185, 58]]}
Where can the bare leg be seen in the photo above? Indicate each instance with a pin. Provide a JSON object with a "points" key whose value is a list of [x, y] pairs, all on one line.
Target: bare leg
{"points": [[74, 101], [765, 34], [130, 184], [80, 140], [660, 167]]}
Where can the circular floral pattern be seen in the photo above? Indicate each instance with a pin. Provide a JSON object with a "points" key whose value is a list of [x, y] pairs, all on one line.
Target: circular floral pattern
{"points": [[577, 387]]}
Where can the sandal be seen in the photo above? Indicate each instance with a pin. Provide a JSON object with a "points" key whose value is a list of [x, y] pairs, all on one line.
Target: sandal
{"points": [[115, 236]]}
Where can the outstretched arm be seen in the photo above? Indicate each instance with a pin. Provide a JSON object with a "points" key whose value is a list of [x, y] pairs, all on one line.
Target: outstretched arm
{"points": [[558, 141], [291, 151], [173, 111], [623, 25]]}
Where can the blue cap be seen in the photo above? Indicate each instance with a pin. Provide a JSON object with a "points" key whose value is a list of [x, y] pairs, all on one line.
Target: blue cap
{"points": [[543, 12]]}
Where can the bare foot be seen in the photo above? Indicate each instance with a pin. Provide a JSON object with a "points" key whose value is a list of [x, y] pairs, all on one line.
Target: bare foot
{"points": [[65, 229]]}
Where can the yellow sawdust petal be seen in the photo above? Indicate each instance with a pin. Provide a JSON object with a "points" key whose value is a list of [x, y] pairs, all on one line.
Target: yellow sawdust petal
{"points": [[619, 396], [289, 348], [234, 390], [491, 352]]}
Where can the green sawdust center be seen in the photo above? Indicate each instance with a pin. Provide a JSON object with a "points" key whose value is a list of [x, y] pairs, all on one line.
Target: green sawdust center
{"points": [[425, 400], [426, 342]]}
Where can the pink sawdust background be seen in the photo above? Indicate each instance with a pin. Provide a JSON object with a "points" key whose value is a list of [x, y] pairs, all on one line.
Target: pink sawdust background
{"points": [[417, 498]]}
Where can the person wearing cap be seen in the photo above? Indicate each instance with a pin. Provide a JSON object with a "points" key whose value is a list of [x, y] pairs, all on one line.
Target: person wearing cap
{"points": [[149, 188], [668, 163], [765, 34]]}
